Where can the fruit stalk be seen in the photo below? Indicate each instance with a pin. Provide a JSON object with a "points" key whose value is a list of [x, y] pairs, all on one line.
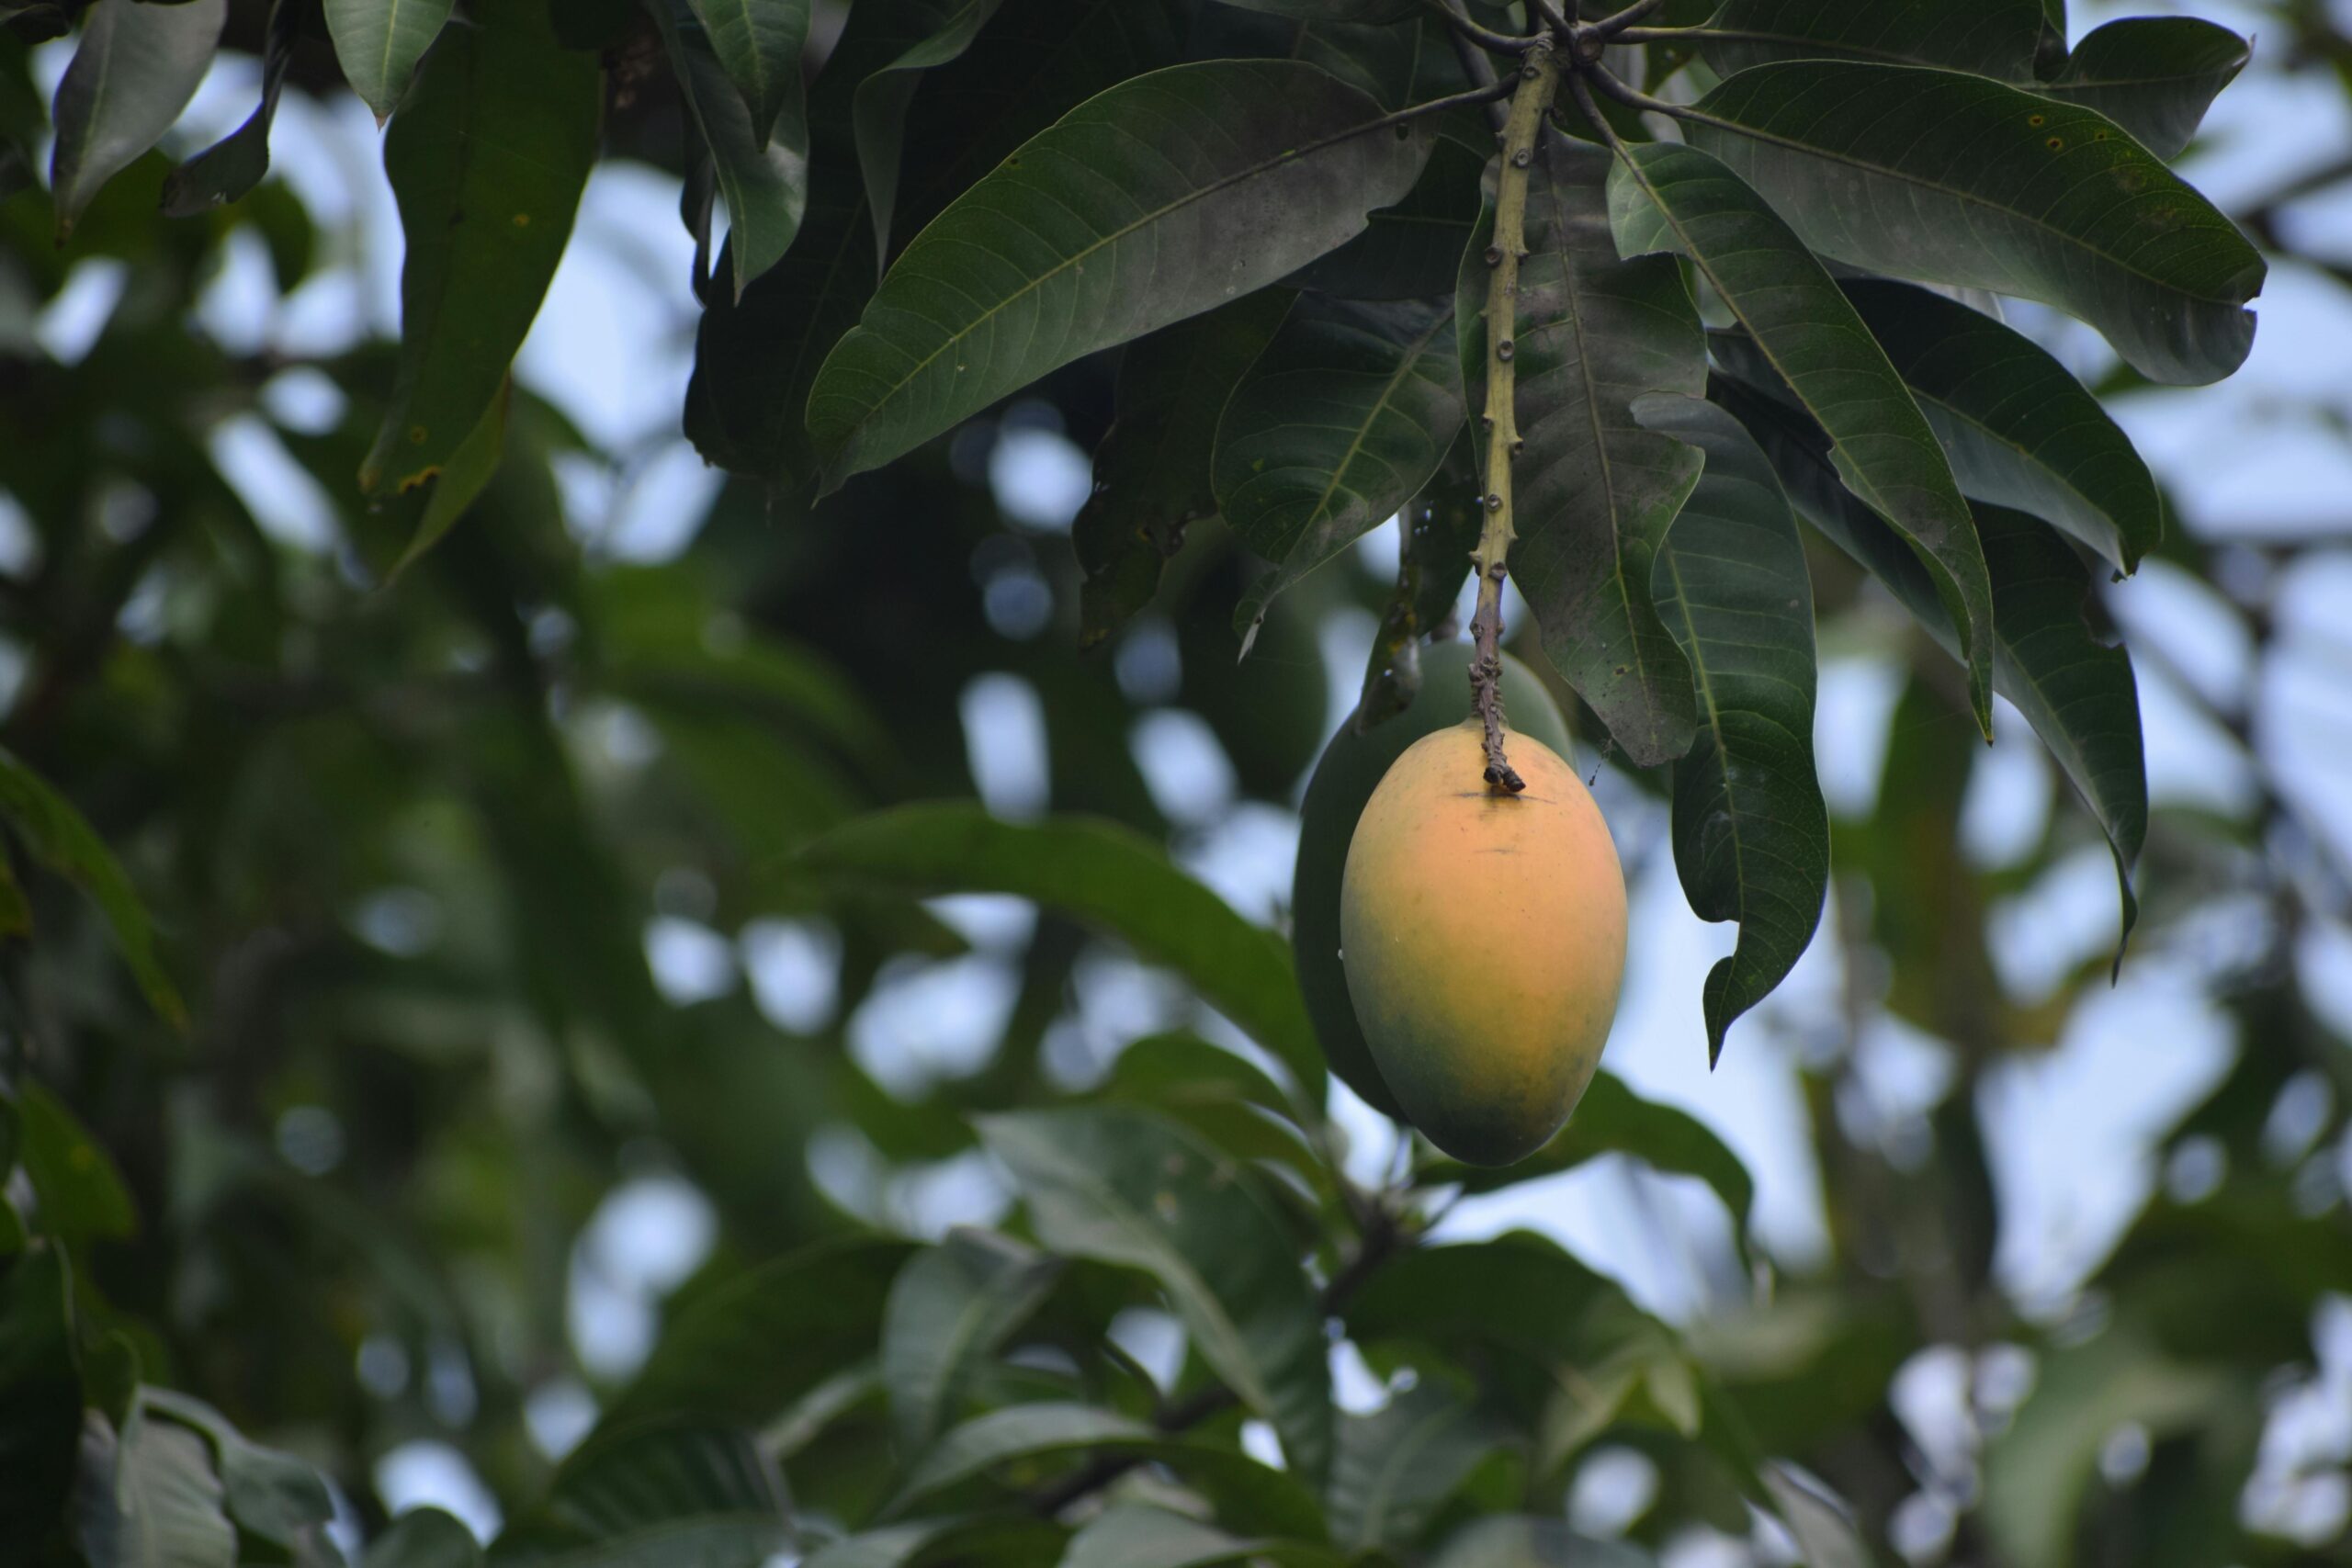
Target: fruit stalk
{"points": [[1538, 77]]}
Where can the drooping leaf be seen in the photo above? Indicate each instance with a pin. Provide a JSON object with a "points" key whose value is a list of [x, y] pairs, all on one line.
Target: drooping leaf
{"points": [[1340, 421], [487, 157], [2076, 691], [149, 1499], [1992, 38], [949, 1309], [2155, 76], [425, 1538], [1507, 1541], [1029, 270], [1398, 1466], [879, 111], [1152, 469], [135, 68], [234, 165], [268, 1494], [1663, 196], [459, 485], [758, 44], [1997, 190], [1596, 492], [1106, 875], [1410, 251], [747, 1350], [2019, 429], [1122, 1187], [60, 837], [379, 43], [763, 170], [1751, 834]]}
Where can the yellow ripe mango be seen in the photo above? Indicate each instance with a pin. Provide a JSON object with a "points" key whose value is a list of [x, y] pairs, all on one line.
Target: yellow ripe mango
{"points": [[1484, 940]]}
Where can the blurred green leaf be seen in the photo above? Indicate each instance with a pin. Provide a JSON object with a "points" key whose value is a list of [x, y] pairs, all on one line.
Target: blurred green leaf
{"points": [[40, 1398], [81, 1192], [1342, 418], [1106, 875], [135, 68], [425, 1538], [487, 157], [1360, 11], [150, 1499], [2155, 76], [2002, 190], [230, 167], [270, 1495], [379, 43], [1124, 1188], [1396, 1467], [1516, 1542], [458, 486], [1825, 1534], [1200, 153], [952, 1306], [1665, 197], [648, 1493], [1751, 834], [1137, 1536]]}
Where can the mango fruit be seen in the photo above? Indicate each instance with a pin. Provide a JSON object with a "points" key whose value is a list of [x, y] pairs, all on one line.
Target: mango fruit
{"points": [[1351, 768], [1483, 936]]}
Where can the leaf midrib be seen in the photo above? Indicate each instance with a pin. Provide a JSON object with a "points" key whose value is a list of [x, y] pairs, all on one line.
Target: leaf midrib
{"points": [[1407, 364]]}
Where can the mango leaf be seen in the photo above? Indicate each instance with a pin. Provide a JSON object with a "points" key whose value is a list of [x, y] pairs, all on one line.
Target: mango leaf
{"points": [[758, 44], [81, 1191], [1595, 489], [1106, 875], [471, 468], [149, 1500], [61, 840], [16, 910], [953, 1537], [1135, 1535], [1997, 190], [1399, 66], [1751, 834], [762, 167], [487, 159], [1122, 1187], [878, 113], [1413, 250], [949, 1309], [1663, 196], [134, 70], [1343, 419], [41, 1397], [1992, 38], [676, 1489], [746, 1349], [1027, 270], [379, 43], [2155, 76], [1519, 1541], [1029, 1435], [425, 1538], [1398, 1466], [230, 167], [1151, 470], [1826, 1533], [1367, 11], [2076, 691], [2017, 428], [270, 1495]]}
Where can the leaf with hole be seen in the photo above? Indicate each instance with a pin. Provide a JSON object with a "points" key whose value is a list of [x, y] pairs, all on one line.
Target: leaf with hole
{"points": [[1162, 198]]}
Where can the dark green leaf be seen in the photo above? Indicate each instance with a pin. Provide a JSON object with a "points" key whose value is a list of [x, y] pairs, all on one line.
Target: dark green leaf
{"points": [[763, 170], [135, 69], [40, 1398], [1028, 271], [879, 113], [954, 1539], [1221, 1097], [150, 1500], [425, 1538], [1663, 196], [378, 43], [758, 44], [747, 1350], [949, 1309], [2017, 428], [1107, 876], [1513, 1541], [1992, 38], [1367, 11], [270, 1495], [16, 912], [487, 157], [2075, 690], [1398, 1466], [1826, 1533], [1596, 492], [677, 1490], [1340, 421], [1140, 1536], [1410, 251], [1124, 1188], [2155, 76], [234, 165], [1751, 834], [1997, 189], [459, 485], [61, 840], [81, 1192], [1399, 66], [1151, 470]]}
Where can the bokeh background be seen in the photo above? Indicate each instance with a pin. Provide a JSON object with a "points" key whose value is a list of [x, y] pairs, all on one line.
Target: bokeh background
{"points": [[516, 1013]]}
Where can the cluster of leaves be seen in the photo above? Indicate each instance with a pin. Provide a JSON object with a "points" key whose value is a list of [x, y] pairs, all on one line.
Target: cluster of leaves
{"points": [[1223, 187]]}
